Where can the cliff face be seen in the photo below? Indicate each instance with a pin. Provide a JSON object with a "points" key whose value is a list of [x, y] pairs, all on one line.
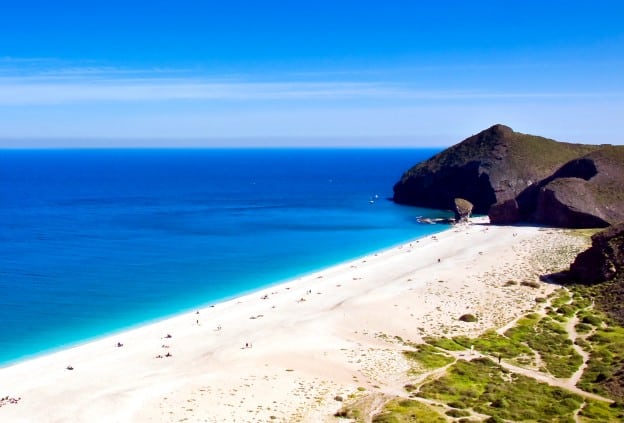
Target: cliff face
{"points": [[587, 192], [517, 177], [604, 260], [493, 166]]}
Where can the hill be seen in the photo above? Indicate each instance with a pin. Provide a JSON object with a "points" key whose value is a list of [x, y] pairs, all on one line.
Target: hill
{"points": [[519, 177]]}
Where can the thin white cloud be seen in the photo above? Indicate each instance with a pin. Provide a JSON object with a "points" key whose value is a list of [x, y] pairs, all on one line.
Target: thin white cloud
{"points": [[39, 91], [64, 89]]}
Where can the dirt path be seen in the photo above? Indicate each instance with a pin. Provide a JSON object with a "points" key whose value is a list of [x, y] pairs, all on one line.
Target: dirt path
{"points": [[573, 335], [542, 377]]}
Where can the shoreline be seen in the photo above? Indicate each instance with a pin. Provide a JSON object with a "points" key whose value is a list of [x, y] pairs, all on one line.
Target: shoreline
{"points": [[209, 304], [288, 349]]}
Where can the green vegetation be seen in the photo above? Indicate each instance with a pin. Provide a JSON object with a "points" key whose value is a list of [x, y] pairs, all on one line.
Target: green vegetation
{"points": [[596, 411], [349, 413], [444, 343], [582, 328], [486, 388], [470, 318], [532, 152], [559, 298], [542, 153], [605, 369], [496, 345], [532, 334], [454, 412], [428, 356], [550, 340], [609, 298], [404, 411], [591, 320]]}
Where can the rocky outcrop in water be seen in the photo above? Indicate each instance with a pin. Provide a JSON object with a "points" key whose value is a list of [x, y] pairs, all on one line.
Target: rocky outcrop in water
{"points": [[463, 209], [516, 177]]}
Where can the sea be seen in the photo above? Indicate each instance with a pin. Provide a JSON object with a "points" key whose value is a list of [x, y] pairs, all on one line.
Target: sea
{"points": [[97, 241]]}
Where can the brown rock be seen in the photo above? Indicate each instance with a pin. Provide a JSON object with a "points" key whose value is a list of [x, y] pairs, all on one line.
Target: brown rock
{"points": [[505, 213], [492, 166], [463, 209], [604, 260], [584, 193]]}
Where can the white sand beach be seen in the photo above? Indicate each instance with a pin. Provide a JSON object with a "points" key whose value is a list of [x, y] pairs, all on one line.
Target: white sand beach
{"points": [[284, 353]]}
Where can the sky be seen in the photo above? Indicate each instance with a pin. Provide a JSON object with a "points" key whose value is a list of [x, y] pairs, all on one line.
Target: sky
{"points": [[307, 73]]}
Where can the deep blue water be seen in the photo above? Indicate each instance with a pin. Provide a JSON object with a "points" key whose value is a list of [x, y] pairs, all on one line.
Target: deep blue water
{"points": [[93, 241]]}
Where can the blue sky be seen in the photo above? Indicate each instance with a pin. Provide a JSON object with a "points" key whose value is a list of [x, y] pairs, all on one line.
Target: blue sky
{"points": [[273, 73]]}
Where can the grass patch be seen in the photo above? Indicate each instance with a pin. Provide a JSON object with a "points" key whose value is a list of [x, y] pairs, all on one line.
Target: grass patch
{"points": [[592, 320], [559, 298], [494, 344], [457, 413], [597, 411], [404, 411], [605, 369], [549, 338], [582, 328], [444, 343], [532, 332], [567, 310], [481, 385], [428, 356]]}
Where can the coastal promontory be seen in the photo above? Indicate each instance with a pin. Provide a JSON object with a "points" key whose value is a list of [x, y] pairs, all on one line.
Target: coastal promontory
{"points": [[516, 177]]}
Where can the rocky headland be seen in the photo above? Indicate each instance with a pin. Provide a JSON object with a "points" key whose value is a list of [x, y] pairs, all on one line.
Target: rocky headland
{"points": [[515, 177]]}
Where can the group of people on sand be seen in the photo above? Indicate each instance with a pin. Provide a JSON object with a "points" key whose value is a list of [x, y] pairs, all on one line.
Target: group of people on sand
{"points": [[166, 355], [119, 345], [9, 400], [167, 336]]}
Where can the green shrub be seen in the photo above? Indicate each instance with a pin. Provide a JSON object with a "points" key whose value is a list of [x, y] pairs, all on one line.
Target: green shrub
{"points": [[428, 356], [481, 385], [404, 411], [444, 343], [567, 310], [530, 284], [592, 320], [470, 318], [494, 344], [457, 413]]}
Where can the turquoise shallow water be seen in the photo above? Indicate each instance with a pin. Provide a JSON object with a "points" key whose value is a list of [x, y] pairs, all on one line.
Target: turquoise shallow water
{"points": [[94, 241]]}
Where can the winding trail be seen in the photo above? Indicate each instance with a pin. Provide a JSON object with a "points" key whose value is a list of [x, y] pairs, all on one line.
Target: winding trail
{"points": [[542, 377], [573, 335], [568, 384]]}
